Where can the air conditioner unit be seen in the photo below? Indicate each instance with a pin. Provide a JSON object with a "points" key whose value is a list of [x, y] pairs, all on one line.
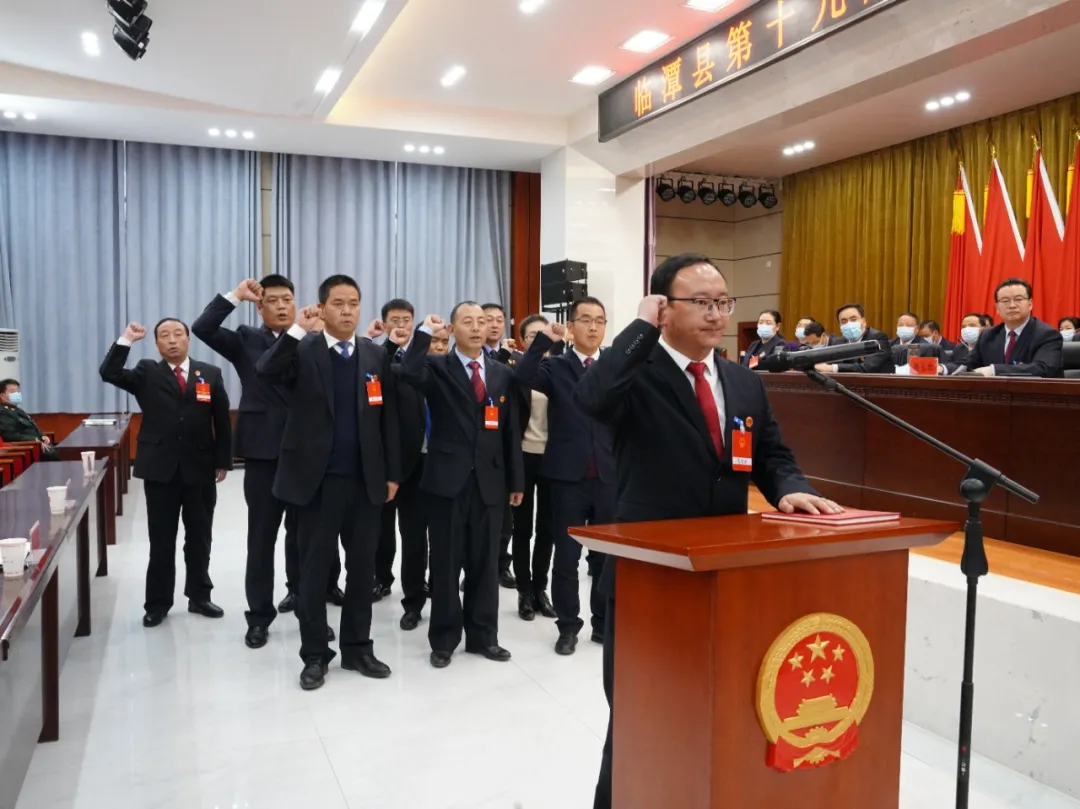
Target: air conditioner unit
{"points": [[9, 354]]}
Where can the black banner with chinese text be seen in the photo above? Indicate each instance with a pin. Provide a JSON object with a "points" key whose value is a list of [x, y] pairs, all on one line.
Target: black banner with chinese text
{"points": [[764, 33]]}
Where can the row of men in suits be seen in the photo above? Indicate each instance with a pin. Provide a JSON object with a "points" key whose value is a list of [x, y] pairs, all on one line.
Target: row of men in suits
{"points": [[1020, 345]]}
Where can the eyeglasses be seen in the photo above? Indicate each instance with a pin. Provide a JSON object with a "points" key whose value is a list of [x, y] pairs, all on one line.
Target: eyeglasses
{"points": [[723, 306], [588, 321], [1007, 301]]}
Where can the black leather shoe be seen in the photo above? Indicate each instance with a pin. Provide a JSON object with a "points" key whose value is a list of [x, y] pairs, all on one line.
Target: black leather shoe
{"points": [[152, 619], [380, 592], [542, 605], [597, 637], [330, 636], [566, 644], [335, 596], [256, 637], [206, 608], [409, 621], [368, 665], [313, 676], [525, 607], [507, 580], [288, 604], [440, 660], [496, 653]]}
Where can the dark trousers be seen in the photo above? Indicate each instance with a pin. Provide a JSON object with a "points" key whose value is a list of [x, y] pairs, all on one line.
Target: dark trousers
{"points": [[531, 569], [464, 536], [166, 504], [341, 506], [264, 518], [506, 533], [588, 501], [603, 783], [413, 521]]}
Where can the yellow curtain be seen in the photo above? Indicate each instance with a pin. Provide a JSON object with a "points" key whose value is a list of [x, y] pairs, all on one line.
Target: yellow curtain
{"points": [[875, 229]]}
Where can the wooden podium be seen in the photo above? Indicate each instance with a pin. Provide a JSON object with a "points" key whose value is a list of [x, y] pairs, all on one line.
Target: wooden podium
{"points": [[701, 604]]}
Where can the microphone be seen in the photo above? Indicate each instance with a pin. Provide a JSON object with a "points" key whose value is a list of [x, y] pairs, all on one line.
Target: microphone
{"points": [[783, 360]]}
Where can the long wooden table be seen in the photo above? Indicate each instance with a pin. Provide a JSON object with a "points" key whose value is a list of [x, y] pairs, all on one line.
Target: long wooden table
{"points": [[1027, 428], [113, 444], [43, 612]]}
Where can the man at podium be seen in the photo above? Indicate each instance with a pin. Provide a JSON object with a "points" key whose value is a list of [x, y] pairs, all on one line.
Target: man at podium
{"points": [[692, 430]]}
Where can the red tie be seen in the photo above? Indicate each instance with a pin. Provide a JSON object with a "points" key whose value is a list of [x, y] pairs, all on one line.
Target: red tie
{"points": [[1009, 346], [708, 405], [588, 362], [477, 381], [180, 378]]}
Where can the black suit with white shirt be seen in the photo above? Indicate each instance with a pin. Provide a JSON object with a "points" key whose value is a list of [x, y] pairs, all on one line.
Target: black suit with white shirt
{"points": [[339, 449], [185, 437], [1036, 350], [668, 464]]}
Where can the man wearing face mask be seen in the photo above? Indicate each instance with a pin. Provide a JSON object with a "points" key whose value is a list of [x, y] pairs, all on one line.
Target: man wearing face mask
{"points": [[769, 339], [16, 424], [930, 330], [815, 336], [852, 320], [970, 329], [800, 334]]}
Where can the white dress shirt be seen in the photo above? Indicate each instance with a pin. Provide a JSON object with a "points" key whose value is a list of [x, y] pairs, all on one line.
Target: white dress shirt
{"points": [[298, 333], [712, 374], [584, 357]]}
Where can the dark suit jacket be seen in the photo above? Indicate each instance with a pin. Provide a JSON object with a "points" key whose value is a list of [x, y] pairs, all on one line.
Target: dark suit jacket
{"points": [[16, 424], [762, 350], [879, 363], [1037, 351], [500, 354], [573, 435], [946, 345], [412, 421], [304, 367], [460, 443], [178, 432], [667, 465], [260, 418]]}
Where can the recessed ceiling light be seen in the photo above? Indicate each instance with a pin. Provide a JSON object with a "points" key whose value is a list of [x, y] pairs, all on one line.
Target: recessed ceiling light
{"points": [[30, 116], [409, 147], [425, 149], [248, 134], [214, 132], [645, 41], [368, 14], [707, 5], [808, 145], [530, 6], [327, 80], [9, 114], [90, 44], [438, 150], [788, 151], [798, 148], [932, 106], [452, 76], [947, 101], [230, 133], [962, 96], [592, 75]]}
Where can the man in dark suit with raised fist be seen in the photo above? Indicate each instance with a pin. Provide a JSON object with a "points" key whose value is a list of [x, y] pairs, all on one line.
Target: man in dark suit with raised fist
{"points": [[340, 461], [184, 451], [672, 402]]}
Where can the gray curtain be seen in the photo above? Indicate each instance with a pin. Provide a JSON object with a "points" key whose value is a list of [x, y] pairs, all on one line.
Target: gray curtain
{"points": [[192, 230], [60, 259], [336, 215], [453, 236]]}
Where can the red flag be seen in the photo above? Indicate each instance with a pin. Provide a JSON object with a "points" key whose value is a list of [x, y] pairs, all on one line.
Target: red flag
{"points": [[1070, 260], [1045, 246], [965, 251], [1003, 249]]}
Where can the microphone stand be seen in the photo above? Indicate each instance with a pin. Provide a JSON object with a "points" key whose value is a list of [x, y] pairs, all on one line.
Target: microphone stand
{"points": [[975, 487]]}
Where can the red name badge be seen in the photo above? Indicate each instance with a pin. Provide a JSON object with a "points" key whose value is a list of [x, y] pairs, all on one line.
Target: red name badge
{"points": [[753, 361], [923, 366], [742, 453], [202, 392], [491, 417], [374, 391]]}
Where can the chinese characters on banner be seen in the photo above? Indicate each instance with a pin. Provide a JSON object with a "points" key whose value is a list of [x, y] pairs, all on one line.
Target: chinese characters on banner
{"points": [[763, 33]]}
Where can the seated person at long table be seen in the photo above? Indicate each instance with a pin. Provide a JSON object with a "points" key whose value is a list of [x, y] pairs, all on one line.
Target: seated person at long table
{"points": [[852, 320], [16, 424]]}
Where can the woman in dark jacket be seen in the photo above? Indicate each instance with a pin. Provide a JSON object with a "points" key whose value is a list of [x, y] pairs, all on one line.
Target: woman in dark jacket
{"points": [[769, 338]]}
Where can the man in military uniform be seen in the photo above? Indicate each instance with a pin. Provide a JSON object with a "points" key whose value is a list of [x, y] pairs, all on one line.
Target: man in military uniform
{"points": [[16, 424]]}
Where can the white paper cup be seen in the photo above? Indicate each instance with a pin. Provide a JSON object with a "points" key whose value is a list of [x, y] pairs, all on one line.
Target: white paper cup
{"points": [[88, 462], [13, 557], [57, 499]]}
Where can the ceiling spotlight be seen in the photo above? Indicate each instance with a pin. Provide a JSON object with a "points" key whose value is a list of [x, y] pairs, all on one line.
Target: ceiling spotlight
{"points": [[214, 132], [808, 145], [90, 44], [327, 80], [366, 17], [767, 196], [410, 147], [932, 106], [591, 75], [438, 150], [798, 148], [665, 189], [453, 76], [747, 196], [645, 41], [727, 194], [30, 116], [707, 5], [132, 29], [706, 192], [230, 133], [686, 191], [788, 151], [425, 149], [530, 6], [963, 96], [947, 101], [10, 114], [248, 134]]}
